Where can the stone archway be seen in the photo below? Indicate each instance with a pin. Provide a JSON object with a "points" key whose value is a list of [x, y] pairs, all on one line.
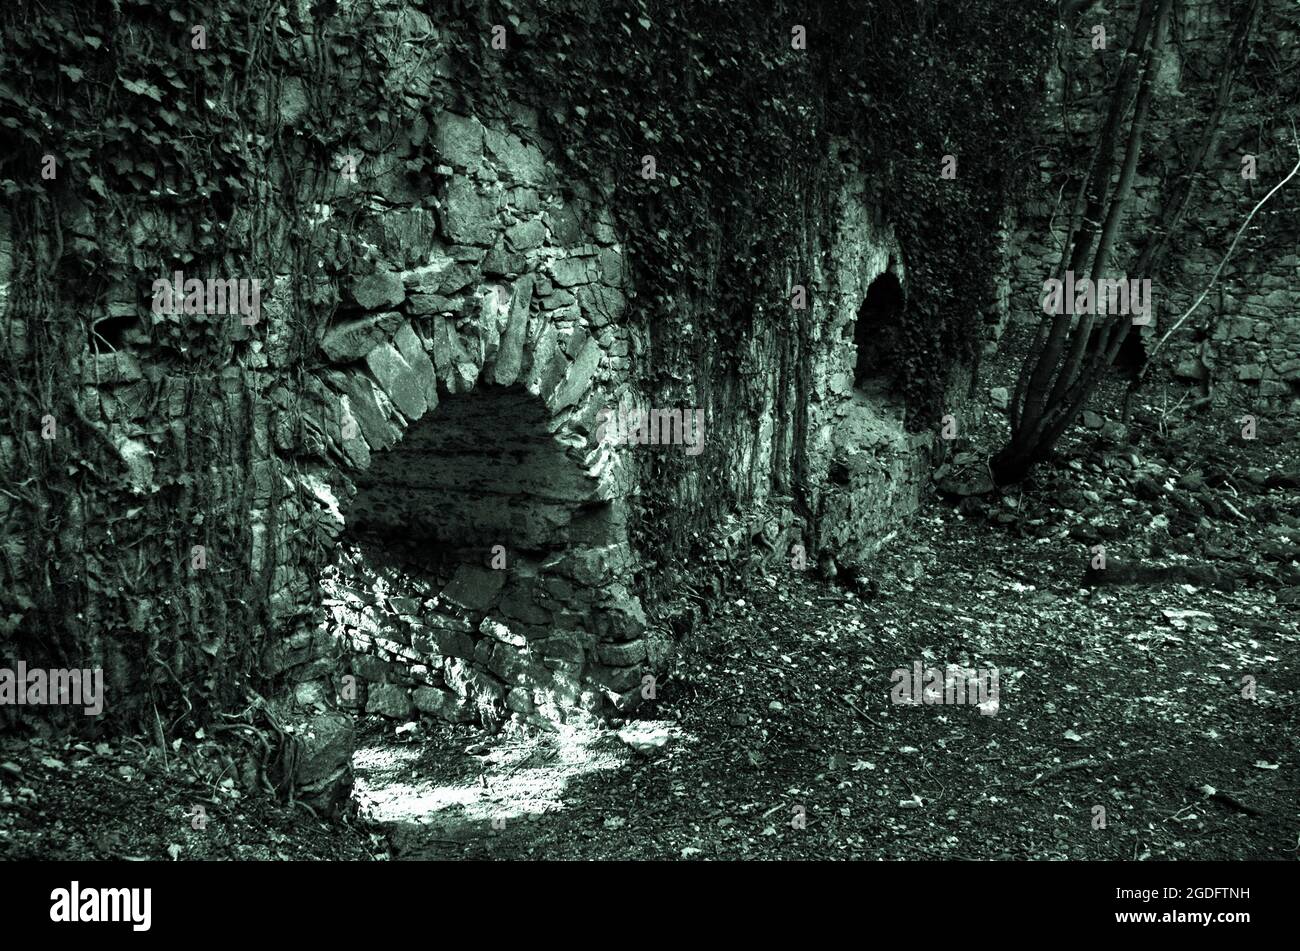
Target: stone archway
{"points": [[875, 466], [481, 566], [496, 297]]}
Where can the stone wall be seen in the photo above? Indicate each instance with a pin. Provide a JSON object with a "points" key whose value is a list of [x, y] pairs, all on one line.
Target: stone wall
{"points": [[390, 492], [867, 467]]}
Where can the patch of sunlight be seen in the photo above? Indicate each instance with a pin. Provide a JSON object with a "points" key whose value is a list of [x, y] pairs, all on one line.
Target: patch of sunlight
{"points": [[403, 802], [515, 780], [384, 757]]}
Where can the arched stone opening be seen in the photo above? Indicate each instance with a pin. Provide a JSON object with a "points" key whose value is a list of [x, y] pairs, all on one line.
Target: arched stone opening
{"points": [[480, 470], [873, 466], [480, 572], [875, 332]]}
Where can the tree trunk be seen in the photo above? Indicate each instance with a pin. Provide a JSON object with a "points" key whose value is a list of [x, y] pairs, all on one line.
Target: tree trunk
{"points": [[1051, 390]]}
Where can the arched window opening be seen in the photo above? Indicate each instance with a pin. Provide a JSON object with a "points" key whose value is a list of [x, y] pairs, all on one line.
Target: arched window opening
{"points": [[875, 333]]}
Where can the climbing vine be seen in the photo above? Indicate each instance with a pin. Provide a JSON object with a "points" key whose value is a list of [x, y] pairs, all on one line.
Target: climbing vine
{"points": [[207, 132], [739, 111], [137, 138]]}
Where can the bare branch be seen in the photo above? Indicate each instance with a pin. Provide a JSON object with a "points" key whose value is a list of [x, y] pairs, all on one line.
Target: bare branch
{"points": [[1232, 247]]}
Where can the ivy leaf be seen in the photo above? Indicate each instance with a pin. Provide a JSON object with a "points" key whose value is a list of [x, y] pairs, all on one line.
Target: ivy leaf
{"points": [[72, 73], [141, 88], [97, 186]]}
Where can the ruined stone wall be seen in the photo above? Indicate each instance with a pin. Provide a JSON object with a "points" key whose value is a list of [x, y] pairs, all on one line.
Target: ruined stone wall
{"points": [[390, 491], [465, 390], [1245, 338], [866, 466], [455, 266]]}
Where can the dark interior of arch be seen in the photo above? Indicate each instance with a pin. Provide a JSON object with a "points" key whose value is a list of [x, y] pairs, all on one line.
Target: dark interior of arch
{"points": [[876, 329], [1131, 355], [481, 470], [455, 553]]}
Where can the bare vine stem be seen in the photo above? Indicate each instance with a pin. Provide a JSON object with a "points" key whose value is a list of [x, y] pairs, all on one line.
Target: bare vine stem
{"points": [[1232, 247]]}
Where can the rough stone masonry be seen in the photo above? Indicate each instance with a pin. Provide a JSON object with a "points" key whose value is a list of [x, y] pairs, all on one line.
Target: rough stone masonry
{"points": [[391, 496]]}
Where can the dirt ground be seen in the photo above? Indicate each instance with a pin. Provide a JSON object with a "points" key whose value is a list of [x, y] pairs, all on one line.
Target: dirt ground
{"points": [[1152, 720]]}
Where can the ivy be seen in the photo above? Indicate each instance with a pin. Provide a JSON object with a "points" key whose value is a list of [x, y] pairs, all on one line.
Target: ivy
{"points": [[147, 129], [165, 146], [740, 122], [741, 125]]}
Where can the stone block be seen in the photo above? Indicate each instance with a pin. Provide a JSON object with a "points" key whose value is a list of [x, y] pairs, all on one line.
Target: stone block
{"points": [[571, 271], [412, 350], [475, 588], [383, 288], [389, 700], [578, 375], [378, 428], [322, 756], [399, 380], [501, 632], [549, 364], [564, 225], [372, 669], [500, 263], [353, 339], [558, 298], [525, 200], [468, 215], [621, 619], [518, 159], [611, 267], [510, 664], [409, 607], [621, 655], [458, 139], [510, 354], [526, 235], [471, 683], [593, 566], [601, 305], [618, 679], [442, 703], [521, 605], [453, 643], [426, 645], [569, 646], [423, 305], [408, 234], [459, 276], [519, 700]]}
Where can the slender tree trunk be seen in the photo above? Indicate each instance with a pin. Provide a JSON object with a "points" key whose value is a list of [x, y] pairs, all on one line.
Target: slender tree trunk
{"points": [[1034, 387], [1114, 329], [1094, 188]]}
